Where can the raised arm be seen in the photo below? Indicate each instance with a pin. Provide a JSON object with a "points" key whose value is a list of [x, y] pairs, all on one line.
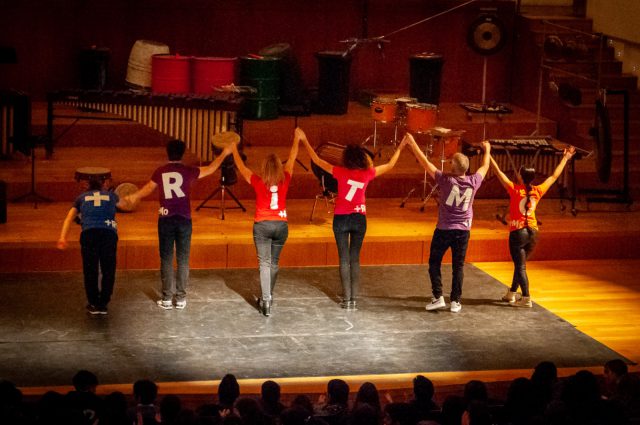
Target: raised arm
{"points": [[486, 158], [146, 190], [244, 171], [62, 240], [566, 156], [421, 157], [381, 169], [293, 154], [316, 159], [502, 177], [215, 164]]}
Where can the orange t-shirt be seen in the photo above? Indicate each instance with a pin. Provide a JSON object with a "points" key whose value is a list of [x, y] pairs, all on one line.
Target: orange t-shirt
{"points": [[517, 205]]}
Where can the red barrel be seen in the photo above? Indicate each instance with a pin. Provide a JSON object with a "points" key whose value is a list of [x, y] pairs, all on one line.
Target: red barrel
{"points": [[212, 72], [170, 74]]}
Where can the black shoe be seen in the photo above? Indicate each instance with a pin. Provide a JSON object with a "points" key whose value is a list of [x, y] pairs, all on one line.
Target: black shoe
{"points": [[345, 304], [92, 309], [103, 310], [266, 308], [353, 305]]}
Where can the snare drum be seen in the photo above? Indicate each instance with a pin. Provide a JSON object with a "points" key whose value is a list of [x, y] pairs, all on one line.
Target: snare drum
{"points": [[383, 109], [402, 103], [421, 117], [85, 174], [333, 154], [445, 147]]}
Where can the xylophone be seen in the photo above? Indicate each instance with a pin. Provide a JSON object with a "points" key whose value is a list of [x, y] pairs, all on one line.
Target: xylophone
{"points": [[193, 119]]}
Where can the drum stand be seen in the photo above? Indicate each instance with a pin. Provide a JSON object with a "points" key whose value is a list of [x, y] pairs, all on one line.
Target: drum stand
{"points": [[374, 137], [434, 187], [223, 188], [327, 195]]}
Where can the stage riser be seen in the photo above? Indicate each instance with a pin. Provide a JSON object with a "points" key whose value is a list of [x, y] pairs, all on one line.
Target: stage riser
{"points": [[298, 252]]}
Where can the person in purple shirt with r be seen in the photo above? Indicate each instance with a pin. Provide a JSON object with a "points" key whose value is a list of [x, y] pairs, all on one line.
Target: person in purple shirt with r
{"points": [[455, 213], [174, 222]]}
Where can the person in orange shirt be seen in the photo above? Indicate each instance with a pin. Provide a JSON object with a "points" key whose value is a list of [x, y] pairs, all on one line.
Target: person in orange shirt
{"points": [[523, 227]]}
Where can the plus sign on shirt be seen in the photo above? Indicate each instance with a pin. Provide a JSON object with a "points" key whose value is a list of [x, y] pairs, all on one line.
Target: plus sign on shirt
{"points": [[97, 209], [352, 185]]}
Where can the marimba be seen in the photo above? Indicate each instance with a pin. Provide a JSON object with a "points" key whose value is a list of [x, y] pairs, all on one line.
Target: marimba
{"points": [[193, 119]]}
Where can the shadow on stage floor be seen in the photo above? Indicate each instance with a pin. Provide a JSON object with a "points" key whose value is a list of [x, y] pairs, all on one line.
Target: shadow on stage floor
{"points": [[47, 336]]}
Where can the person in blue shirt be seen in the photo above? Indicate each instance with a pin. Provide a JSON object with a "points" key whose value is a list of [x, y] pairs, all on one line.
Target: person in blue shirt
{"points": [[98, 241]]}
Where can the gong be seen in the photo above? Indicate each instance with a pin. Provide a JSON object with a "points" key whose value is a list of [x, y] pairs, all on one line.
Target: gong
{"points": [[487, 35]]}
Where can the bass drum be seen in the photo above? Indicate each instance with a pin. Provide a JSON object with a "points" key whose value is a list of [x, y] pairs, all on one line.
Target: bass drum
{"points": [[332, 153]]}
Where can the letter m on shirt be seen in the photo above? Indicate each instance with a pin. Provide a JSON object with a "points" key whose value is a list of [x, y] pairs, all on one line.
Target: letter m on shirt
{"points": [[172, 183], [459, 200]]}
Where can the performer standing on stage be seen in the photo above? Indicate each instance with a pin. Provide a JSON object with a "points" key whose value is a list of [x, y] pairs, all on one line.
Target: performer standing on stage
{"points": [[455, 213], [349, 219], [98, 241], [523, 227], [174, 222], [270, 228]]}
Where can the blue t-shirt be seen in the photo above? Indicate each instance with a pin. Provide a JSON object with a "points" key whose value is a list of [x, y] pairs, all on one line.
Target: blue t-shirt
{"points": [[97, 209]]}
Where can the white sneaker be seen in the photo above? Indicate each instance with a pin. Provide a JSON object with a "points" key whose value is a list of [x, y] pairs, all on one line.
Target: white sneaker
{"points": [[524, 302], [181, 304], [511, 297], [455, 306], [167, 305], [436, 303]]}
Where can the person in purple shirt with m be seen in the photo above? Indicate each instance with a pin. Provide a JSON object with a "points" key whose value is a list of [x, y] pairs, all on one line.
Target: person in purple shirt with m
{"points": [[455, 214], [174, 222]]}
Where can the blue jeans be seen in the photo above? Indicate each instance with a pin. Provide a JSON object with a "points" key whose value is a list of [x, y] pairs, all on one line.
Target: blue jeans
{"points": [[269, 238], [457, 240], [521, 244], [174, 231], [98, 247], [349, 231]]}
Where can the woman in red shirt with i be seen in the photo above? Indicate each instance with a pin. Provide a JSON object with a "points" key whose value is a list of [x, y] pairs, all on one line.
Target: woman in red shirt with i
{"points": [[349, 219], [523, 227], [270, 229]]}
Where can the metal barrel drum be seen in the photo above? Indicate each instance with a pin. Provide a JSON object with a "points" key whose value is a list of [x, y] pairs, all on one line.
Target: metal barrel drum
{"points": [[171, 74], [211, 72], [425, 73], [263, 74], [333, 82], [139, 67], [93, 68]]}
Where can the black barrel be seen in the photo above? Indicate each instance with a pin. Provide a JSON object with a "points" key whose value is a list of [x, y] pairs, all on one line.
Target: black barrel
{"points": [[263, 74], [3, 201], [425, 72], [93, 68], [333, 83]]}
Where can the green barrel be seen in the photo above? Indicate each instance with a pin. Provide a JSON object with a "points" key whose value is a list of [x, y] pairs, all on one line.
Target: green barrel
{"points": [[263, 74]]}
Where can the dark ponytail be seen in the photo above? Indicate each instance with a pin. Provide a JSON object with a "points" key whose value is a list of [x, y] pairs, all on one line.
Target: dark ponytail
{"points": [[527, 174]]}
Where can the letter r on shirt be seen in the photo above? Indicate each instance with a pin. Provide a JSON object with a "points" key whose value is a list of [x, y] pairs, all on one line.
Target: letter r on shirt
{"points": [[172, 183]]}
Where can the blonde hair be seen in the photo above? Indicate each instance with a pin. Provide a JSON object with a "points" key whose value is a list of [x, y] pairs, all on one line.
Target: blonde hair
{"points": [[459, 164], [272, 170]]}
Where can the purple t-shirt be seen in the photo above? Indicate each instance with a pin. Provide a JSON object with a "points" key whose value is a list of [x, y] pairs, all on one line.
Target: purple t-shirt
{"points": [[174, 181], [455, 211]]}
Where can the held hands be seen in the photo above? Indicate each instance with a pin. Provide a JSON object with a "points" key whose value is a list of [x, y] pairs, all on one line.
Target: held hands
{"points": [[299, 134], [486, 146], [568, 152]]}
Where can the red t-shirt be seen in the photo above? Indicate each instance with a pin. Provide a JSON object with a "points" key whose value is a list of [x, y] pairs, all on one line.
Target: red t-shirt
{"points": [[352, 185], [271, 202], [517, 205]]}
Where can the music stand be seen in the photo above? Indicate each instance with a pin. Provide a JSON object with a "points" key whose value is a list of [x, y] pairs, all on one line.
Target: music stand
{"points": [[228, 178]]}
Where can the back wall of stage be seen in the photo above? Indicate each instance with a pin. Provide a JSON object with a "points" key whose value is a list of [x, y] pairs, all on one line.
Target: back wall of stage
{"points": [[49, 35]]}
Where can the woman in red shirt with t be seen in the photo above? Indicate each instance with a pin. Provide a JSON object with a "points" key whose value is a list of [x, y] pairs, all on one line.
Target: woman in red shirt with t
{"points": [[349, 219], [270, 229], [523, 227]]}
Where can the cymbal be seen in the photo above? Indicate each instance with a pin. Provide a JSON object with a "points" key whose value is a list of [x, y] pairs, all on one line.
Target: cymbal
{"points": [[224, 139]]}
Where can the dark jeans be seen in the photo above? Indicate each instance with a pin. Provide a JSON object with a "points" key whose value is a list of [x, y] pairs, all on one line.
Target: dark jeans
{"points": [[457, 240], [349, 232], [269, 238], [521, 244], [174, 231], [98, 247]]}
